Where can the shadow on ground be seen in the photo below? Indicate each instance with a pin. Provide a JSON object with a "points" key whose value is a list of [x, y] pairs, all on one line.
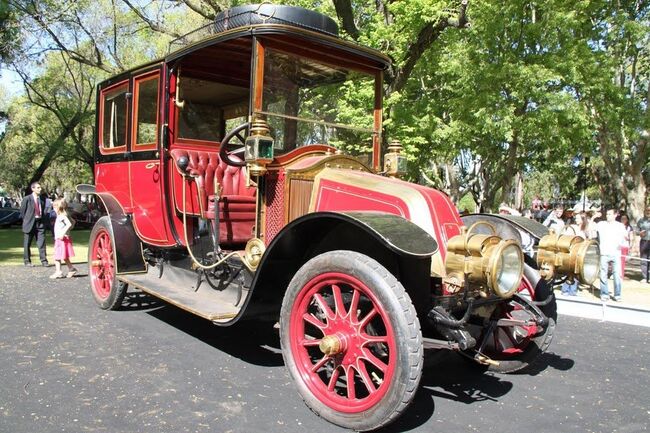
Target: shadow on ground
{"points": [[446, 375], [254, 342], [549, 360], [138, 301]]}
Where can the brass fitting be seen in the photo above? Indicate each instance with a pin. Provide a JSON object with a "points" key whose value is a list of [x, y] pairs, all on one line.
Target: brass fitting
{"points": [[568, 255], [479, 258], [330, 345], [253, 253], [394, 161]]}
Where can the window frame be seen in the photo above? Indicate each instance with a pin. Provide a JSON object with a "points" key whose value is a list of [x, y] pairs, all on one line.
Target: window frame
{"points": [[196, 141], [137, 80], [102, 99]]}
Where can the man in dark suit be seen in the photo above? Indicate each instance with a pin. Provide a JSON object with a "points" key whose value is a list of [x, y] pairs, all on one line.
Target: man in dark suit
{"points": [[35, 222]]}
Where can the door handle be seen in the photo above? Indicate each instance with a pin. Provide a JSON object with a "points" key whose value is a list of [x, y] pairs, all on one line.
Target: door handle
{"points": [[151, 165]]}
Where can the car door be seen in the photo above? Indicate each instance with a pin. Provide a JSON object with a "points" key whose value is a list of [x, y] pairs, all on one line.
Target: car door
{"points": [[145, 171]]}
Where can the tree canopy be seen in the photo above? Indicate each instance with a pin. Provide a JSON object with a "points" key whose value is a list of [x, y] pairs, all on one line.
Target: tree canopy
{"points": [[488, 97]]}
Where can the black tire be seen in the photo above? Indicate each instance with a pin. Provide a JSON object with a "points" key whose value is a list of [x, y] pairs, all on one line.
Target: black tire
{"points": [[533, 347], [395, 328], [107, 290]]}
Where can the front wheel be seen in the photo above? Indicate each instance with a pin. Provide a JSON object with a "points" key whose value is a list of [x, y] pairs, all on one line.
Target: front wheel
{"points": [[517, 347], [351, 340], [107, 290]]}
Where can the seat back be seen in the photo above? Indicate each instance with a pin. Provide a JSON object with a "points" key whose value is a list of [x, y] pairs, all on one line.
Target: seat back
{"points": [[236, 203], [205, 165]]}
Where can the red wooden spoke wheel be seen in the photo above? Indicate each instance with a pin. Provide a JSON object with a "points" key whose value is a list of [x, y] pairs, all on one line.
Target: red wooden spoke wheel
{"points": [[107, 290], [509, 341], [516, 347], [351, 340], [344, 348], [102, 269]]}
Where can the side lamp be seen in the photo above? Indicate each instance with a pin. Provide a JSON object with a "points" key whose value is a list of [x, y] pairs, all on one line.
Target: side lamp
{"points": [[258, 152], [395, 164], [494, 264]]}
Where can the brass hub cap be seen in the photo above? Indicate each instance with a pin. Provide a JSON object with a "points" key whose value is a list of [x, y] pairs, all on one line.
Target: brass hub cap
{"points": [[330, 345]]}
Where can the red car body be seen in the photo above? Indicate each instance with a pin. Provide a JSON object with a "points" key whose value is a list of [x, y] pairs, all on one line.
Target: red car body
{"points": [[362, 270]]}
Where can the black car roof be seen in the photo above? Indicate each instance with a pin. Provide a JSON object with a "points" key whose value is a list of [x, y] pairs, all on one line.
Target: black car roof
{"points": [[257, 20]]}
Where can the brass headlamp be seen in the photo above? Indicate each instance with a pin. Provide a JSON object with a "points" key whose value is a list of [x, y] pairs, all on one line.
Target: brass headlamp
{"points": [[258, 151], [486, 260], [568, 255]]}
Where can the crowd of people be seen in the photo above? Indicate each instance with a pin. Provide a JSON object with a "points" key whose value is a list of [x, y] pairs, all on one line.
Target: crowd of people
{"points": [[617, 237], [8, 202]]}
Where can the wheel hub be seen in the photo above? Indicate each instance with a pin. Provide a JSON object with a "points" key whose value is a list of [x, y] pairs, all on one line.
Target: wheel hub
{"points": [[330, 345]]}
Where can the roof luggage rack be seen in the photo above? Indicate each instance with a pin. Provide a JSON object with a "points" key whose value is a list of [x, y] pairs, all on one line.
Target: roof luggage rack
{"points": [[249, 15]]}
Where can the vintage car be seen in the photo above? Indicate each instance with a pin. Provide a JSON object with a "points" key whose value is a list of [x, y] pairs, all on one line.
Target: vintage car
{"points": [[243, 179], [9, 216]]}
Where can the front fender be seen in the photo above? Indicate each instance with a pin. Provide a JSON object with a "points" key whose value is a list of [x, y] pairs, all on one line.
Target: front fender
{"points": [[398, 244], [398, 234], [525, 231]]}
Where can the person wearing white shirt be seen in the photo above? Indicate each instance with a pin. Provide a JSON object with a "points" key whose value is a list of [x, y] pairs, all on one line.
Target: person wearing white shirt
{"points": [[554, 219], [611, 237]]}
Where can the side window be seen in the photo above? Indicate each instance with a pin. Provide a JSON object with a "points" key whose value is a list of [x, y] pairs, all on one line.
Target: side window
{"points": [[146, 109], [114, 118]]}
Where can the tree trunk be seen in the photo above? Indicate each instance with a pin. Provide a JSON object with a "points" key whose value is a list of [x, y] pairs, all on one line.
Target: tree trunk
{"points": [[54, 148], [519, 192], [636, 199]]}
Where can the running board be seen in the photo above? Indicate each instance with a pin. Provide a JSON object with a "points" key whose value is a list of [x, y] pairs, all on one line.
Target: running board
{"points": [[204, 301]]}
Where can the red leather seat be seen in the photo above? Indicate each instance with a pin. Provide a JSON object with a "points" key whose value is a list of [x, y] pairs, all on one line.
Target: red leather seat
{"points": [[237, 201]]}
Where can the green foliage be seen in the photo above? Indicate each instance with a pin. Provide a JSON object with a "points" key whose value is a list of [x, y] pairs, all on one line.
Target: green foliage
{"points": [[529, 89], [467, 203], [9, 31]]}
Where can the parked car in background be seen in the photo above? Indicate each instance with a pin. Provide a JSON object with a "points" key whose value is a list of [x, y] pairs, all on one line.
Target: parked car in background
{"points": [[9, 216]]}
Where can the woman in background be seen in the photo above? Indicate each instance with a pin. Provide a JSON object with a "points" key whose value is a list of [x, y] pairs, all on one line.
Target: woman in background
{"points": [[625, 249]]}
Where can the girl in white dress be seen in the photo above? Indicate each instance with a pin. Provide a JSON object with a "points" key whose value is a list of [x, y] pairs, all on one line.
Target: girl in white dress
{"points": [[62, 242]]}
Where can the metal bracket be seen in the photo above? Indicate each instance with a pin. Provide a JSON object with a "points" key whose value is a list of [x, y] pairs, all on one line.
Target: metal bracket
{"points": [[432, 343]]}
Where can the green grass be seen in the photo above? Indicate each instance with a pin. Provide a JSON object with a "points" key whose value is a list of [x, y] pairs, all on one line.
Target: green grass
{"points": [[11, 246]]}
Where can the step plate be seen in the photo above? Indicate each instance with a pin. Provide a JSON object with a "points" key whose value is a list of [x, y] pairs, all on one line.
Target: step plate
{"points": [[205, 302]]}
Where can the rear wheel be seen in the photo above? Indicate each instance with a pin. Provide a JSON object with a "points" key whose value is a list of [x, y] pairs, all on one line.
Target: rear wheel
{"points": [[351, 340], [517, 347], [107, 290]]}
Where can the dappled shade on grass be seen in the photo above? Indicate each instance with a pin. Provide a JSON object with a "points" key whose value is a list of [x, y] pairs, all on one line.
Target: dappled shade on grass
{"points": [[11, 246]]}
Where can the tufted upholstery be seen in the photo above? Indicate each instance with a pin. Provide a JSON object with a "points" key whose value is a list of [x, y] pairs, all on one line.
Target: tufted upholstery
{"points": [[204, 165], [237, 202]]}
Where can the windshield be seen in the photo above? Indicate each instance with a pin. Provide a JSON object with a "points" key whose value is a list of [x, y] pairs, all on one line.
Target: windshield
{"points": [[308, 102]]}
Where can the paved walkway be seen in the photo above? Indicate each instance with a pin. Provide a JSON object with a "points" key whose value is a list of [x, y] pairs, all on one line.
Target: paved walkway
{"points": [[635, 294], [633, 309]]}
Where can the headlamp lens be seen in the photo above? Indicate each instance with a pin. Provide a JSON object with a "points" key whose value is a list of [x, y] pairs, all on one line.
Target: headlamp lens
{"points": [[508, 270], [591, 264]]}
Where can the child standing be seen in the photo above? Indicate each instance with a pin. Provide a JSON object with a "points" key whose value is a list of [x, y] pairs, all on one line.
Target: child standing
{"points": [[62, 243]]}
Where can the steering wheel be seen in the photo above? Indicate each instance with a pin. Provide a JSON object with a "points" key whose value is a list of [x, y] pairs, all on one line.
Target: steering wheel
{"points": [[226, 148]]}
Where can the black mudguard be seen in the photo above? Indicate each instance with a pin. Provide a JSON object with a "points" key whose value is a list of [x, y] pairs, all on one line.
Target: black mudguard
{"points": [[389, 239], [128, 247], [397, 234]]}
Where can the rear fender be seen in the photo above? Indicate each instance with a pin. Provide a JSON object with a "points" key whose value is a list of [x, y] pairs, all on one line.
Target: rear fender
{"points": [[128, 247], [398, 244]]}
